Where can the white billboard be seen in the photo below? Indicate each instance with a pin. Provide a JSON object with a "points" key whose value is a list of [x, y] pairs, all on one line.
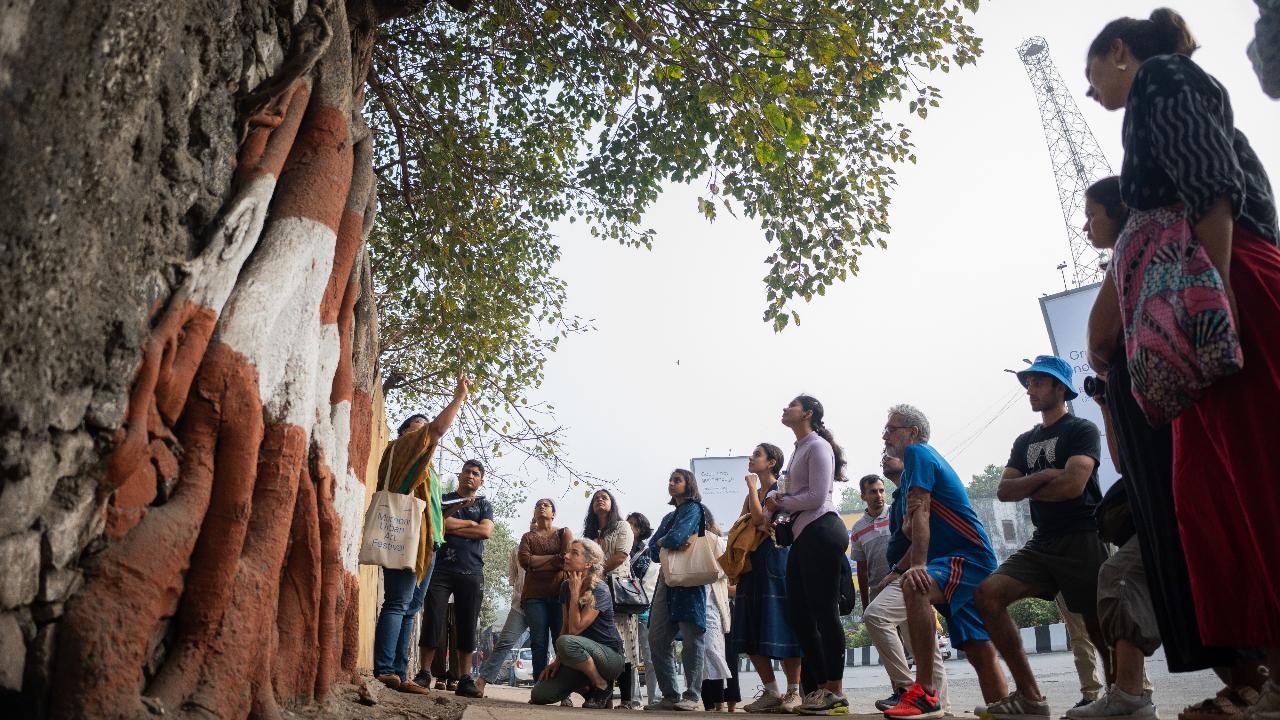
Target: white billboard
{"points": [[1066, 317], [720, 480]]}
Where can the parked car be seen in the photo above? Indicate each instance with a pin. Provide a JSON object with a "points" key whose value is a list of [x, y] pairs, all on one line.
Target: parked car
{"points": [[522, 666]]}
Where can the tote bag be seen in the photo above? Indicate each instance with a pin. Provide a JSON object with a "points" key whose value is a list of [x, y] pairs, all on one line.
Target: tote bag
{"points": [[1178, 330], [392, 527], [695, 566]]}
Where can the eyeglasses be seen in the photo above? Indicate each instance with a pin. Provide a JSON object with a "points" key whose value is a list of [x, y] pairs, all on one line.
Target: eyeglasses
{"points": [[891, 428]]}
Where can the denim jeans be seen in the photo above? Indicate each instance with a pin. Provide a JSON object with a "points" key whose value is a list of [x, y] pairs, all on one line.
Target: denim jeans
{"points": [[513, 631], [402, 598], [662, 635], [650, 680], [543, 616]]}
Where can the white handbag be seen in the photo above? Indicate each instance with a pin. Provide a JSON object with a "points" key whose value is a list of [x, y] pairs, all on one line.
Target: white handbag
{"points": [[392, 528], [695, 566]]}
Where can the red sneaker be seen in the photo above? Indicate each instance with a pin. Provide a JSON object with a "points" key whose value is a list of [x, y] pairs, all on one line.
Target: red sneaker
{"points": [[916, 704]]}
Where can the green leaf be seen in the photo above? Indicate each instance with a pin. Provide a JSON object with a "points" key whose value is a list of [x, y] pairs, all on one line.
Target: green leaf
{"points": [[776, 117]]}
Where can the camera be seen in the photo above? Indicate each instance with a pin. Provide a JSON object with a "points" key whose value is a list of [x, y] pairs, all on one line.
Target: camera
{"points": [[1094, 386]]}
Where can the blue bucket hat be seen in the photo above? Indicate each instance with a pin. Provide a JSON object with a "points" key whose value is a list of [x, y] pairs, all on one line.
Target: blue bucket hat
{"points": [[1053, 366]]}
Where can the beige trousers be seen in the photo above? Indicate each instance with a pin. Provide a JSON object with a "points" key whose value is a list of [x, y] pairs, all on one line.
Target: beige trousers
{"points": [[1088, 665], [884, 616]]}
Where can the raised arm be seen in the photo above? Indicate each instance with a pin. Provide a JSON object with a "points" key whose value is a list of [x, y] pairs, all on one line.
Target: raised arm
{"points": [[445, 419], [751, 505]]}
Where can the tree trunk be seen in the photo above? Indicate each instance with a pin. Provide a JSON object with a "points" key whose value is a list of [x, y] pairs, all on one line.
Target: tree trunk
{"points": [[188, 344]]}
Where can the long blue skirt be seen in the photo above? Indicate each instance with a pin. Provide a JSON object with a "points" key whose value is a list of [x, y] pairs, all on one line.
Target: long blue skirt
{"points": [[759, 613]]}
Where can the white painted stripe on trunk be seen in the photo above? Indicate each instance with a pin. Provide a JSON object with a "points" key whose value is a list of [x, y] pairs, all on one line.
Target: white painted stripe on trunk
{"points": [[348, 496], [273, 317], [212, 276]]}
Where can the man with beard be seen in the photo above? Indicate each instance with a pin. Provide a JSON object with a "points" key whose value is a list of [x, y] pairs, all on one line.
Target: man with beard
{"points": [[1055, 465], [950, 555], [886, 613]]}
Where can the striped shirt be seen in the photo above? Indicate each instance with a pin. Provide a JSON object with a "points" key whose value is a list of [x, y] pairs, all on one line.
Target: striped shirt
{"points": [[869, 546], [1181, 145]]}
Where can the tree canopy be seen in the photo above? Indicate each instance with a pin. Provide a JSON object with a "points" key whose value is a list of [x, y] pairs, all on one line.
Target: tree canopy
{"points": [[851, 500], [494, 124], [985, 483]]}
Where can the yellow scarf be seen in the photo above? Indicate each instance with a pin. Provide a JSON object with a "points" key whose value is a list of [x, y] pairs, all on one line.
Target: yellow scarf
{"points": [[406, 468]]}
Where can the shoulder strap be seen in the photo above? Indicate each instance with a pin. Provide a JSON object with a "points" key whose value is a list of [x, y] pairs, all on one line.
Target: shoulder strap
{"points": [[386, 470]]}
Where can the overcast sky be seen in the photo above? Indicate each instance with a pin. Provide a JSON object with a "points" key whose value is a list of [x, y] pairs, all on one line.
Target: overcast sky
{"points": [[681, 364]]}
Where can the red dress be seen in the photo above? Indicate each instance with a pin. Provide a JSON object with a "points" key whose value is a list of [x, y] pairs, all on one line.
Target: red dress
{"points": [[1226, 470]]}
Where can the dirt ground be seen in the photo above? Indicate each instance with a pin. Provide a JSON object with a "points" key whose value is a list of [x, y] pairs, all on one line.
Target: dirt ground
{"points": [[344, 704]]}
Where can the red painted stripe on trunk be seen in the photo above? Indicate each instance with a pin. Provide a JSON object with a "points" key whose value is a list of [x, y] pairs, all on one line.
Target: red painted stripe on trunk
{"points": [[317, 176], [271, 135]]}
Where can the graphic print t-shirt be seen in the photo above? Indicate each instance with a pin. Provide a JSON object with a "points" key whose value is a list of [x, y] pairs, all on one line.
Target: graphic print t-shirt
{"points": [[1041, 448], [459, 555]]}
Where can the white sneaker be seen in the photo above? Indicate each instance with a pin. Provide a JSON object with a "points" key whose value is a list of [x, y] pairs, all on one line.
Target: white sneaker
{"points": [[1116, 704], [767, 701], [790, 702]]}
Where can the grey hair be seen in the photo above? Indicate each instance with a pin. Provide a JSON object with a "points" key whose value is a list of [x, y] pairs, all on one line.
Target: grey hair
{"points": [[913, 416], [594, 555]]}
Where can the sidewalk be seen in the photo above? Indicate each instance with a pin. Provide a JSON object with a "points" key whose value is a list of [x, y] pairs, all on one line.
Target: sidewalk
{"points": [[502, 702]]}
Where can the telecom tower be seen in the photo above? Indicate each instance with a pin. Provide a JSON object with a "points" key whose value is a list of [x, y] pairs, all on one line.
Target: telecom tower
{"points": [[1077, 159]]}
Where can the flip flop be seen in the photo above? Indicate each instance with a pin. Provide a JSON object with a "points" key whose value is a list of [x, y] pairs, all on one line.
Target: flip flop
{"points": [[1228, 704]]}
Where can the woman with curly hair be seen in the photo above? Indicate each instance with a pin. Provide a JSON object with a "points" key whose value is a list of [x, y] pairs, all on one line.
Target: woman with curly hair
{"points": [[589, 649]]}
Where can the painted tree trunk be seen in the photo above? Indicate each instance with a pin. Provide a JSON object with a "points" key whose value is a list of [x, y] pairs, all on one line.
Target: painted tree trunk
{"points": [[222, 529]]}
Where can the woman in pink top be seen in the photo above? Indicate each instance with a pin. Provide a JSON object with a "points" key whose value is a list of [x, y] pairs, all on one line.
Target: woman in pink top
{"points": [[813, 565]]}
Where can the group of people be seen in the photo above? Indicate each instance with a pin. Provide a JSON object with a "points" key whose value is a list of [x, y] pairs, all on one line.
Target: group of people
{"points": [[1180, 552]]}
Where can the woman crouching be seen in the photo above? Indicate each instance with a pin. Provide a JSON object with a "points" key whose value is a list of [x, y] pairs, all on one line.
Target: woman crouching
{"points": [[589, 649]]}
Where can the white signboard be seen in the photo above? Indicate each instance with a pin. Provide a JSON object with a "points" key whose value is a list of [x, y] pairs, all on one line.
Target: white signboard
{"points": [[1066, 316], [720, 480]]}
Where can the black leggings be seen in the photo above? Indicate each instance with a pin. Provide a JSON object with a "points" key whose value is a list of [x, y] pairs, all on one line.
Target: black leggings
{"points": [[813, 596]]}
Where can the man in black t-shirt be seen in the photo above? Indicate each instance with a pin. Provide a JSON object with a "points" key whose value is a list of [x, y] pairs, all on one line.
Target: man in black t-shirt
{"points": [[1055, 466], [459, 571]]}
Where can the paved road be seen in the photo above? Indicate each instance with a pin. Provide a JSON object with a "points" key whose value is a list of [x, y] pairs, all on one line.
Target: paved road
{"points": [[1055, 672]]}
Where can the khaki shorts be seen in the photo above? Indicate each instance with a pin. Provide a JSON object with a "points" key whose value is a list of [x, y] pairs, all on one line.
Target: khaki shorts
{"points": [[1066, 564], [1124, 601]]}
